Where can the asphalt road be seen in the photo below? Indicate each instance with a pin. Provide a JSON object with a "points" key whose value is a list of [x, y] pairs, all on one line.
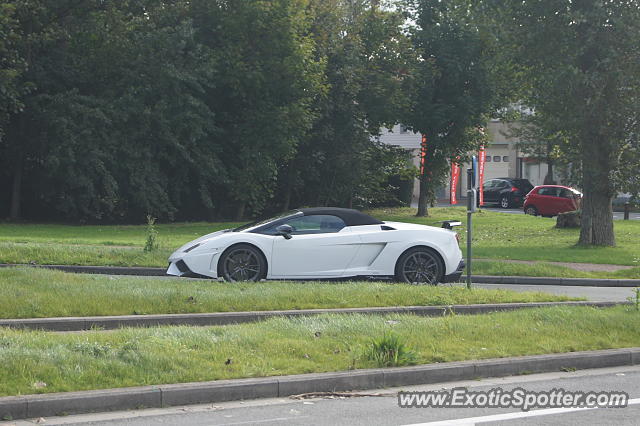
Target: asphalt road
{"points": [[384, 410], [616, 215], [594, 294]]}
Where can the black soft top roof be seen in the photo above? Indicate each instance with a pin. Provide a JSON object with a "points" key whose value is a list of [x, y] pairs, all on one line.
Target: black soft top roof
{"points": [[349, 216]]}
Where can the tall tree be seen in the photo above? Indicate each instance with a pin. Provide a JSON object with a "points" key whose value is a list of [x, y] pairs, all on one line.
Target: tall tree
{"points": [[12, 65], [365, 55], [455, 87], [582, 62], [265, 82]]}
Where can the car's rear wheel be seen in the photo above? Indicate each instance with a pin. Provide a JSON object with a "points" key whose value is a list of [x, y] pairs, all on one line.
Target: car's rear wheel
{"points": [[242, 262], [531, 210], [420, 265], [504, 202]]}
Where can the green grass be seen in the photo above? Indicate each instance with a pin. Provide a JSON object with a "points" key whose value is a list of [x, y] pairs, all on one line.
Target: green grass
{"points": [[40, 362], [496, 236], [169, 235], [512, 236], [34, 293], [547, 270]]}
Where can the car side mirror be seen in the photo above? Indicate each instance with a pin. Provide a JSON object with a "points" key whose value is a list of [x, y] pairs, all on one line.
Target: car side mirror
{"points": [[285, 230]]}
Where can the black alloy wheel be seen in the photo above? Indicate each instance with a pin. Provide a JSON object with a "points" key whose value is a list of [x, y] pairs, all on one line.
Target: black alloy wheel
{"points": [[504, 202], [242, 263], [419, 266]]}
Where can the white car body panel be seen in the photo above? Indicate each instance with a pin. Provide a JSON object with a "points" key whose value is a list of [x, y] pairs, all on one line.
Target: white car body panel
{"points": [[313, 255], [364, 250]]}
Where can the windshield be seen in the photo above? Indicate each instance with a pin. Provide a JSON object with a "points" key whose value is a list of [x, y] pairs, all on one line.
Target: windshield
{"points": [[265, 221]]}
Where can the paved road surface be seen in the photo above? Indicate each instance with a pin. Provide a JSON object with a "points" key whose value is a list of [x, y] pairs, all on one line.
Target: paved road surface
{"points": [[616, 215], [384, 410], [595, 294]]}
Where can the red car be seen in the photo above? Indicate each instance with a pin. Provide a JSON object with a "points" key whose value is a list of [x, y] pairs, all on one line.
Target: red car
{"points": [[550, 200]]}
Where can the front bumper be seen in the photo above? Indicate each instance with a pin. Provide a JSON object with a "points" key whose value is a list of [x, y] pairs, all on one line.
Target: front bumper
{"points": [[455, 276], [180, 269]]}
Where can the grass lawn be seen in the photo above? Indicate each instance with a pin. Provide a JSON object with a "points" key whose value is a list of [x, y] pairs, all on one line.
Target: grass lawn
{"points": [[40, 362], [514, 236], [496, 236], [34, 293]]}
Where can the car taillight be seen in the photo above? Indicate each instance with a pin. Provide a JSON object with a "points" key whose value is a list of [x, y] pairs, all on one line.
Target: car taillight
{"points": [[514, 189]]}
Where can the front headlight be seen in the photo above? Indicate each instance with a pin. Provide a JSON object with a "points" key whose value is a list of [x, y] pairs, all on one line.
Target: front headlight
{"points": [[191, 248]]}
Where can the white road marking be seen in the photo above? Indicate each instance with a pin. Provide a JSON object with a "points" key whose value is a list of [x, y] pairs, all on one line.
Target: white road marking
{"points": [[510, 416], [277, 419]]}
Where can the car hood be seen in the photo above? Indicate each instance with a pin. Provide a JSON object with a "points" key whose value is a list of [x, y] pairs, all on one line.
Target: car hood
{"points": [[204, 238]]}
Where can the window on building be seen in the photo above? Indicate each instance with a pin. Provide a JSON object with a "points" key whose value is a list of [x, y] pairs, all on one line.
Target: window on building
{"points": [[496, 158], [505, 159], [488, 159]]}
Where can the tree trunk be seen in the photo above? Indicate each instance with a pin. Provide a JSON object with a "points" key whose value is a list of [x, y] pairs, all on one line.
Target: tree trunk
{"points": [[597, 214], [286, 200], [16, 190], [422, 198], [240, 211], [548, 179]]}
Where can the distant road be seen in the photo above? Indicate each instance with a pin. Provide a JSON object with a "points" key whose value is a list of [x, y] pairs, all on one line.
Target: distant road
{"points": [[593, 294], [616, 215]]}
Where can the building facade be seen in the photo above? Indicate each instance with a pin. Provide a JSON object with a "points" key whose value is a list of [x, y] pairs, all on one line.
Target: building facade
{"points": [[503, 157]]}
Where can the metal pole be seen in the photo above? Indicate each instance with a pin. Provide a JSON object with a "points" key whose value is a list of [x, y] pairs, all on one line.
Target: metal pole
{"points": [[471, 208], [469, 223]]}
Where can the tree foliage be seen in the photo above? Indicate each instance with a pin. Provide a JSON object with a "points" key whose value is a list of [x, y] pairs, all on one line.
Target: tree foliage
{"points": [[455, 86], [112, 110], [581, 64]]}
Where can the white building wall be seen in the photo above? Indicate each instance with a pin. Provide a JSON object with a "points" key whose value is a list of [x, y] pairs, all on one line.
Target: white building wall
{"points": [[501, 145]]}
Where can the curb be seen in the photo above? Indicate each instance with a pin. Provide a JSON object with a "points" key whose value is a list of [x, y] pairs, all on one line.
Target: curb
{"points": [[65, 403], [224, 318], [582, 282], [479, 279], [110, 270]]}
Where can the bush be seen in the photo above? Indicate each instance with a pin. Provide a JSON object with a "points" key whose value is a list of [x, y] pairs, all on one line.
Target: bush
{"points": [[569, 220], [151, 244], [389, 351]]}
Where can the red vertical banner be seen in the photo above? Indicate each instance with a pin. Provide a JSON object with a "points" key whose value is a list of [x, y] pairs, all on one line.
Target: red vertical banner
{"points": [[455, 177], [482, 156], [423, 154]]}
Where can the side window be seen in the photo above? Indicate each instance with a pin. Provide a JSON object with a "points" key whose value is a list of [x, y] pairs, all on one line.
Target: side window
{"points": [[551, 192], [488, 185], [503, 184], [314, 224]]}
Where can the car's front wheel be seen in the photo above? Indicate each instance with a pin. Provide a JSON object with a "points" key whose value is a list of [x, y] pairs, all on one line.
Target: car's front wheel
{"points": [[419, 265], [242, 262], [531, 210]]}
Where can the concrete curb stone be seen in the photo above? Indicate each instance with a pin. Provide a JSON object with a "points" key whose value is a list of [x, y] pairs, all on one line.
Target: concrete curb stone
{"points": [[44, 405], [480, 279], [225, 318]]}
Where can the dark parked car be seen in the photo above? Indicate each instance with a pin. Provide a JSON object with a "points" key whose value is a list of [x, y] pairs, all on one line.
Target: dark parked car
{"points": [[550, 200], [506, 192]]}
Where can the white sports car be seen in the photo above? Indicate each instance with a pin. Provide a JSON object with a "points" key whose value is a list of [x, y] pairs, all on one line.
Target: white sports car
{"points": [[324, 242]]}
